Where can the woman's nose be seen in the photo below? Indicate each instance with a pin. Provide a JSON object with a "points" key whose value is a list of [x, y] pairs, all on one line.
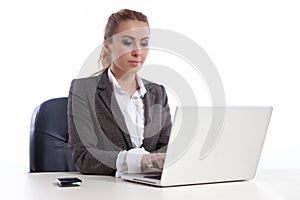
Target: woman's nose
{"points": [[137, 51]]}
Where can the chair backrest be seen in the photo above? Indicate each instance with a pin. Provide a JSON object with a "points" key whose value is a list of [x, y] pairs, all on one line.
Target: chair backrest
{"points": [[49, 149]]}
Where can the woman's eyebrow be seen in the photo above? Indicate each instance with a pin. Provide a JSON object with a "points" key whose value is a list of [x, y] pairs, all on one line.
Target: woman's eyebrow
{"points": [[128, 36]]}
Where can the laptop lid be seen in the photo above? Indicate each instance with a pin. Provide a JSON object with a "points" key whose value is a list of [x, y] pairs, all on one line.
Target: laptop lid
{"points": [[213, 144]]}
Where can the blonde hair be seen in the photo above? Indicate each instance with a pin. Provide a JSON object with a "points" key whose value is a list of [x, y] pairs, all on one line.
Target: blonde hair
{"points": [[111, 28]]}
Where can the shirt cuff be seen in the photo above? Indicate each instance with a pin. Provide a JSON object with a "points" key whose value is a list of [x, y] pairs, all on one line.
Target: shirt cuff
{"points": [[121, 163], [129, 161]]}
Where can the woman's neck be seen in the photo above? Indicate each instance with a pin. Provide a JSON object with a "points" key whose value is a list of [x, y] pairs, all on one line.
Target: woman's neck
{"points": [[126, 80]]}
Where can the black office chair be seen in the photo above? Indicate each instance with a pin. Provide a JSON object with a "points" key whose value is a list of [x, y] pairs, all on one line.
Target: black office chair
{"points": [[49, 151]]}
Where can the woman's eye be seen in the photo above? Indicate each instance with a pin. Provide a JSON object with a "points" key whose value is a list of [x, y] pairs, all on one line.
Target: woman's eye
{"points": [[145, 43], [127, 42]]}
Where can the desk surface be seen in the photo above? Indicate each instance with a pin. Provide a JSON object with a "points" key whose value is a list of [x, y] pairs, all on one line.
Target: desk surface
{"points": [[268, 184]]}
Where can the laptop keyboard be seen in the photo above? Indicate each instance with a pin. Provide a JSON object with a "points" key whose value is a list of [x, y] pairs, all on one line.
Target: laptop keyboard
{"points": [[158, 177]]}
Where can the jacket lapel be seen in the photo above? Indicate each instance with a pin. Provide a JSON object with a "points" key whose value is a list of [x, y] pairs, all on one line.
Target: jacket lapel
{"points": [[105, 93], [148, 101]]}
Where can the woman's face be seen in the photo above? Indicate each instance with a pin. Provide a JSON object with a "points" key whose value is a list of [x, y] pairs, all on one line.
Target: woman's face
{"points": [[129, 47]]}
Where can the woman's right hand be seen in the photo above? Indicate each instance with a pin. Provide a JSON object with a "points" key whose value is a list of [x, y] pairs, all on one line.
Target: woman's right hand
{"points": [[154, 160]]}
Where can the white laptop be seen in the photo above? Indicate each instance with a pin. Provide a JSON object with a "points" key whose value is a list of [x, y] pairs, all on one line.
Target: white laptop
{"points": [[210, 145]]}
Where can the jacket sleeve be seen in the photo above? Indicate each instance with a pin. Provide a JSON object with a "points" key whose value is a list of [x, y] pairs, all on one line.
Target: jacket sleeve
{"points": [[88, 153]]}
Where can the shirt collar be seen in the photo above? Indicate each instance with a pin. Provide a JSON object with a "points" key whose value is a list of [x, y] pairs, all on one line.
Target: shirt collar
{"points": [[142, 90]]}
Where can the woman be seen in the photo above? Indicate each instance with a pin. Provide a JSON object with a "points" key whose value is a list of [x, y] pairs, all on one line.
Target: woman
{"points": [[119, 122]]}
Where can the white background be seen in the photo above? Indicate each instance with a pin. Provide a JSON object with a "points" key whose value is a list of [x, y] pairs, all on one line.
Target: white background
{"points": [[255, 46]]}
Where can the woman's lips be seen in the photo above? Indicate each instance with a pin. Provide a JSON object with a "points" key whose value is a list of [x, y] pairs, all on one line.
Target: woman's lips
{"points": [[134, 62]]}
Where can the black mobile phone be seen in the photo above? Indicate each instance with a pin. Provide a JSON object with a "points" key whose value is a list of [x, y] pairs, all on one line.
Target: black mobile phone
{"points": [[69, 182]]}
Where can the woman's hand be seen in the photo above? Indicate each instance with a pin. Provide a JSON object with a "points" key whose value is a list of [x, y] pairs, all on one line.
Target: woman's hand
{"points": [[155, 160]]}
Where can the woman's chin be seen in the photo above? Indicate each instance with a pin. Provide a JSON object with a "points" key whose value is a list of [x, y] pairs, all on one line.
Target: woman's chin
{"points": [[134, 69]]}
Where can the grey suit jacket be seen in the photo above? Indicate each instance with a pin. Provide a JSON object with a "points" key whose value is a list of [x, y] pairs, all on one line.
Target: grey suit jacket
{"points": [[97, 129]]}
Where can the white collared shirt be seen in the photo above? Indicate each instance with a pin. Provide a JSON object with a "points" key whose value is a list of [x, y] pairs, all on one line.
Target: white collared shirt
{"points": [[132, 109]]}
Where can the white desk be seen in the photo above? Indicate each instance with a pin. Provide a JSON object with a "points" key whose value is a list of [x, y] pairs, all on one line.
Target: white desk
{"points": [[268, 185]]}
